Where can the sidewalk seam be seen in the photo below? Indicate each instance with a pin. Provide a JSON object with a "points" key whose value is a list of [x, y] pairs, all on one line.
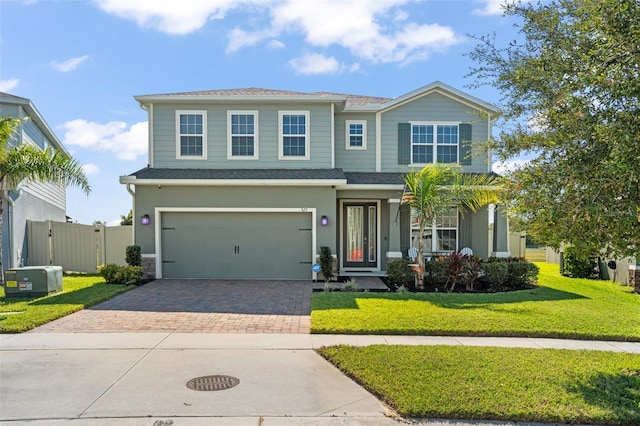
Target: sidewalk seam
{"points": [[121, 377]]}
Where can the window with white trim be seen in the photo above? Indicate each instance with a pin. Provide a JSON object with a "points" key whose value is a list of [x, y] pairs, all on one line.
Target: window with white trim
{"points": [[434, 143], [293, 129], [441, 236], [356, 134], [191, 134], [242, 138]]}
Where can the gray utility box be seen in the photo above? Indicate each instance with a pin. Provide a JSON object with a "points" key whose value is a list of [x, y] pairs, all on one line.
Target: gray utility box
{"points": [[32, 281]]}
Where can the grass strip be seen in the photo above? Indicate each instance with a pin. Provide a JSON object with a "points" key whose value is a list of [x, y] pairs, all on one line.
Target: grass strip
{"points": [[487, 383], [18, 314], [560, 307]]}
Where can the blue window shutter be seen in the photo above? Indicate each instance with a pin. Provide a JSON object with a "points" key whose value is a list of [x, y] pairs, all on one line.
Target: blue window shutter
{"points": [[465, 144], [404, 143]]}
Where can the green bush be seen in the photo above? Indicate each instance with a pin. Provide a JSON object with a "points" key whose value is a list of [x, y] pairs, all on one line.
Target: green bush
{"points": [[495, 275], [435, 274], [399, 274], [133, 256], [326, 263], [116, 274], [579, 265], [521, 275]]}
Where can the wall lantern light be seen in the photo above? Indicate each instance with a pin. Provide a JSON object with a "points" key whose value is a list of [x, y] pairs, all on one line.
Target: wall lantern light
{"points": [[324, 220], [145, 220]]}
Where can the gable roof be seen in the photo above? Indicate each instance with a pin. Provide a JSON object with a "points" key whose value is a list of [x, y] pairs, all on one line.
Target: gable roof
{"points": [[348, 101], [34, 115]]}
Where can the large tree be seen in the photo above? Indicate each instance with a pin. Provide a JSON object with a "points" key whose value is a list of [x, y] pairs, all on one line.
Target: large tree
{"points": [[437, 188], [23, 163], [571, 100]]}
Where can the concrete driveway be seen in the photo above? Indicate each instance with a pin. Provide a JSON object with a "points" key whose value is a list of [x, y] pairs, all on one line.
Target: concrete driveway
{"points": [[197, 306]]}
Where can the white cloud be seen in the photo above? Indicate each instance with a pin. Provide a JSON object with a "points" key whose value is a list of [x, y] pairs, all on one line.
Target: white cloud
{"points": [[70, 64], [491, 7], [375, 31], [315, 63], [239, 38], [506, 167], [359, 27], [276, 44], [90, 169], [114, 137], [10, 84], [169, 16]]}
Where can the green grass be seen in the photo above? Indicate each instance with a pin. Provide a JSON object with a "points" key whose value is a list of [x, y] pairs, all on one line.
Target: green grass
{"points": [[79, 291], [541, 385], [536, 255], [560, 307]]}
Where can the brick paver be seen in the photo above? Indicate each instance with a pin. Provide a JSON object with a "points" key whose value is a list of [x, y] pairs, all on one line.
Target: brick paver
{"points": [[197, 306]]}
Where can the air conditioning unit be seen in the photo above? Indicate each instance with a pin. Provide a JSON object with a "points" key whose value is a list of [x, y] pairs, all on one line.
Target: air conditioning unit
{"points": [[34, 281]]}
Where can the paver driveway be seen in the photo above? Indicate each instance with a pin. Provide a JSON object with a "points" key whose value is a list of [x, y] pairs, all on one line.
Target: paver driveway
{"points": [[197, 306]]}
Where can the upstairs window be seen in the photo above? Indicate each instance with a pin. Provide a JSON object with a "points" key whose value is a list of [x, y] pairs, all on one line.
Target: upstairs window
{"points": [[294, 135], [432, 143], [242, 139], [191, 132], [356, 134]]}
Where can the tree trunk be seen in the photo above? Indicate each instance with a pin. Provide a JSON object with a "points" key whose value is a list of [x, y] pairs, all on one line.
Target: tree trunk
{"points": [[420, 259], [1, 228]]}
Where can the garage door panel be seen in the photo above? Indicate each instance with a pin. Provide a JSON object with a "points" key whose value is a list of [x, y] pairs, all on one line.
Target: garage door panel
{"points": [[236, 245]]}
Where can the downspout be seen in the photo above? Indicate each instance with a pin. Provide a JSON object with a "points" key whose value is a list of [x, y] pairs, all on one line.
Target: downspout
{"points": [[133, 210]]}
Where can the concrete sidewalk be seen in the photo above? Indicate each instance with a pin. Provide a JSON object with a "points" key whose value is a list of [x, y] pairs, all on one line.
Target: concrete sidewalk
{"points": [[140, 378]]}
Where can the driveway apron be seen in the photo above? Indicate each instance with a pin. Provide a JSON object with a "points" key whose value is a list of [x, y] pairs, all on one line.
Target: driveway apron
{"points": [[197, 306]]}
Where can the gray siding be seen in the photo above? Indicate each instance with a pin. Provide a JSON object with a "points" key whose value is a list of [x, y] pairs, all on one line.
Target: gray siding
{"points": [[147, 198], [355, 160], [26, 207], [33, 133], [164, 134], [432, 107]]}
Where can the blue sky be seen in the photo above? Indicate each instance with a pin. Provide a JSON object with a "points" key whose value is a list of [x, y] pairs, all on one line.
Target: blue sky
{"points": [[82, 61]]}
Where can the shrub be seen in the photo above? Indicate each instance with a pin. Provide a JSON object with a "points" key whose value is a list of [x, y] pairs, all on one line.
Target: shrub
{"points": [[133, 256], [521, 275], [326, 263], [579, 265], [350, 285], [399, 274], [435, 274], [116, 274], [495, 275]]}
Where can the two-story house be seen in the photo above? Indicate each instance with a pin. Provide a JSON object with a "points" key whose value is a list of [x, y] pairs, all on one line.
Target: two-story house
{"points": [[250, 183], [35, 201]]}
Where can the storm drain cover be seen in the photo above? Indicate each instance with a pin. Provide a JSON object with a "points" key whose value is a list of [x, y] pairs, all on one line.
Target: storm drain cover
{"points": [[212, 383]]}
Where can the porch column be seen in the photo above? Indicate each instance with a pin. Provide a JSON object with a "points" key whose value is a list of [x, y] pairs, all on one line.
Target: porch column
{"points": [[395, 252], [500, 233]]}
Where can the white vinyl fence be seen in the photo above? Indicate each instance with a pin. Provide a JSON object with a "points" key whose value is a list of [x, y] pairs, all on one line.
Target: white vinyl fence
{"points": [[76, 247]]}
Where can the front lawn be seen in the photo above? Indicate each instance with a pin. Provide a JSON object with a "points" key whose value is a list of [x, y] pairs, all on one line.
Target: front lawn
{"points": [[18, 314], [515, 384], [560, 307]]}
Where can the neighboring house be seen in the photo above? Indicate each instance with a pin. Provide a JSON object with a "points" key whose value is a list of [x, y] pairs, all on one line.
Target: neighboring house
{"points": [[34, 201], [250, 183]]}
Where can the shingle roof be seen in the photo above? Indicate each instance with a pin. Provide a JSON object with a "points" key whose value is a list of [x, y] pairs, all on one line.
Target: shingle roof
{"points": [[231, 174], [365, 178], [255, 92]]}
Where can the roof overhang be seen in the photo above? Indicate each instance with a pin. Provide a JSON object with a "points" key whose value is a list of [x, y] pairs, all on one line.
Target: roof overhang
{"points": [[132, 180], [35, 116]]}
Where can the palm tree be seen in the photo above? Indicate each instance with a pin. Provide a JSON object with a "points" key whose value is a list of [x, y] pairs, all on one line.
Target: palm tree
{"points": [[27, 163], [436, 189]]}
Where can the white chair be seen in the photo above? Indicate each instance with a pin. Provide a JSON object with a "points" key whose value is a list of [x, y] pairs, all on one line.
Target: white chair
{"points": [[466, 251], [413, 254]]}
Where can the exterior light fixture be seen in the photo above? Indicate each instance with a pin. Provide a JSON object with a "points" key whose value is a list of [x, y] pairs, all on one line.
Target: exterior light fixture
{"points": [[324, 220], [145, 220]]}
